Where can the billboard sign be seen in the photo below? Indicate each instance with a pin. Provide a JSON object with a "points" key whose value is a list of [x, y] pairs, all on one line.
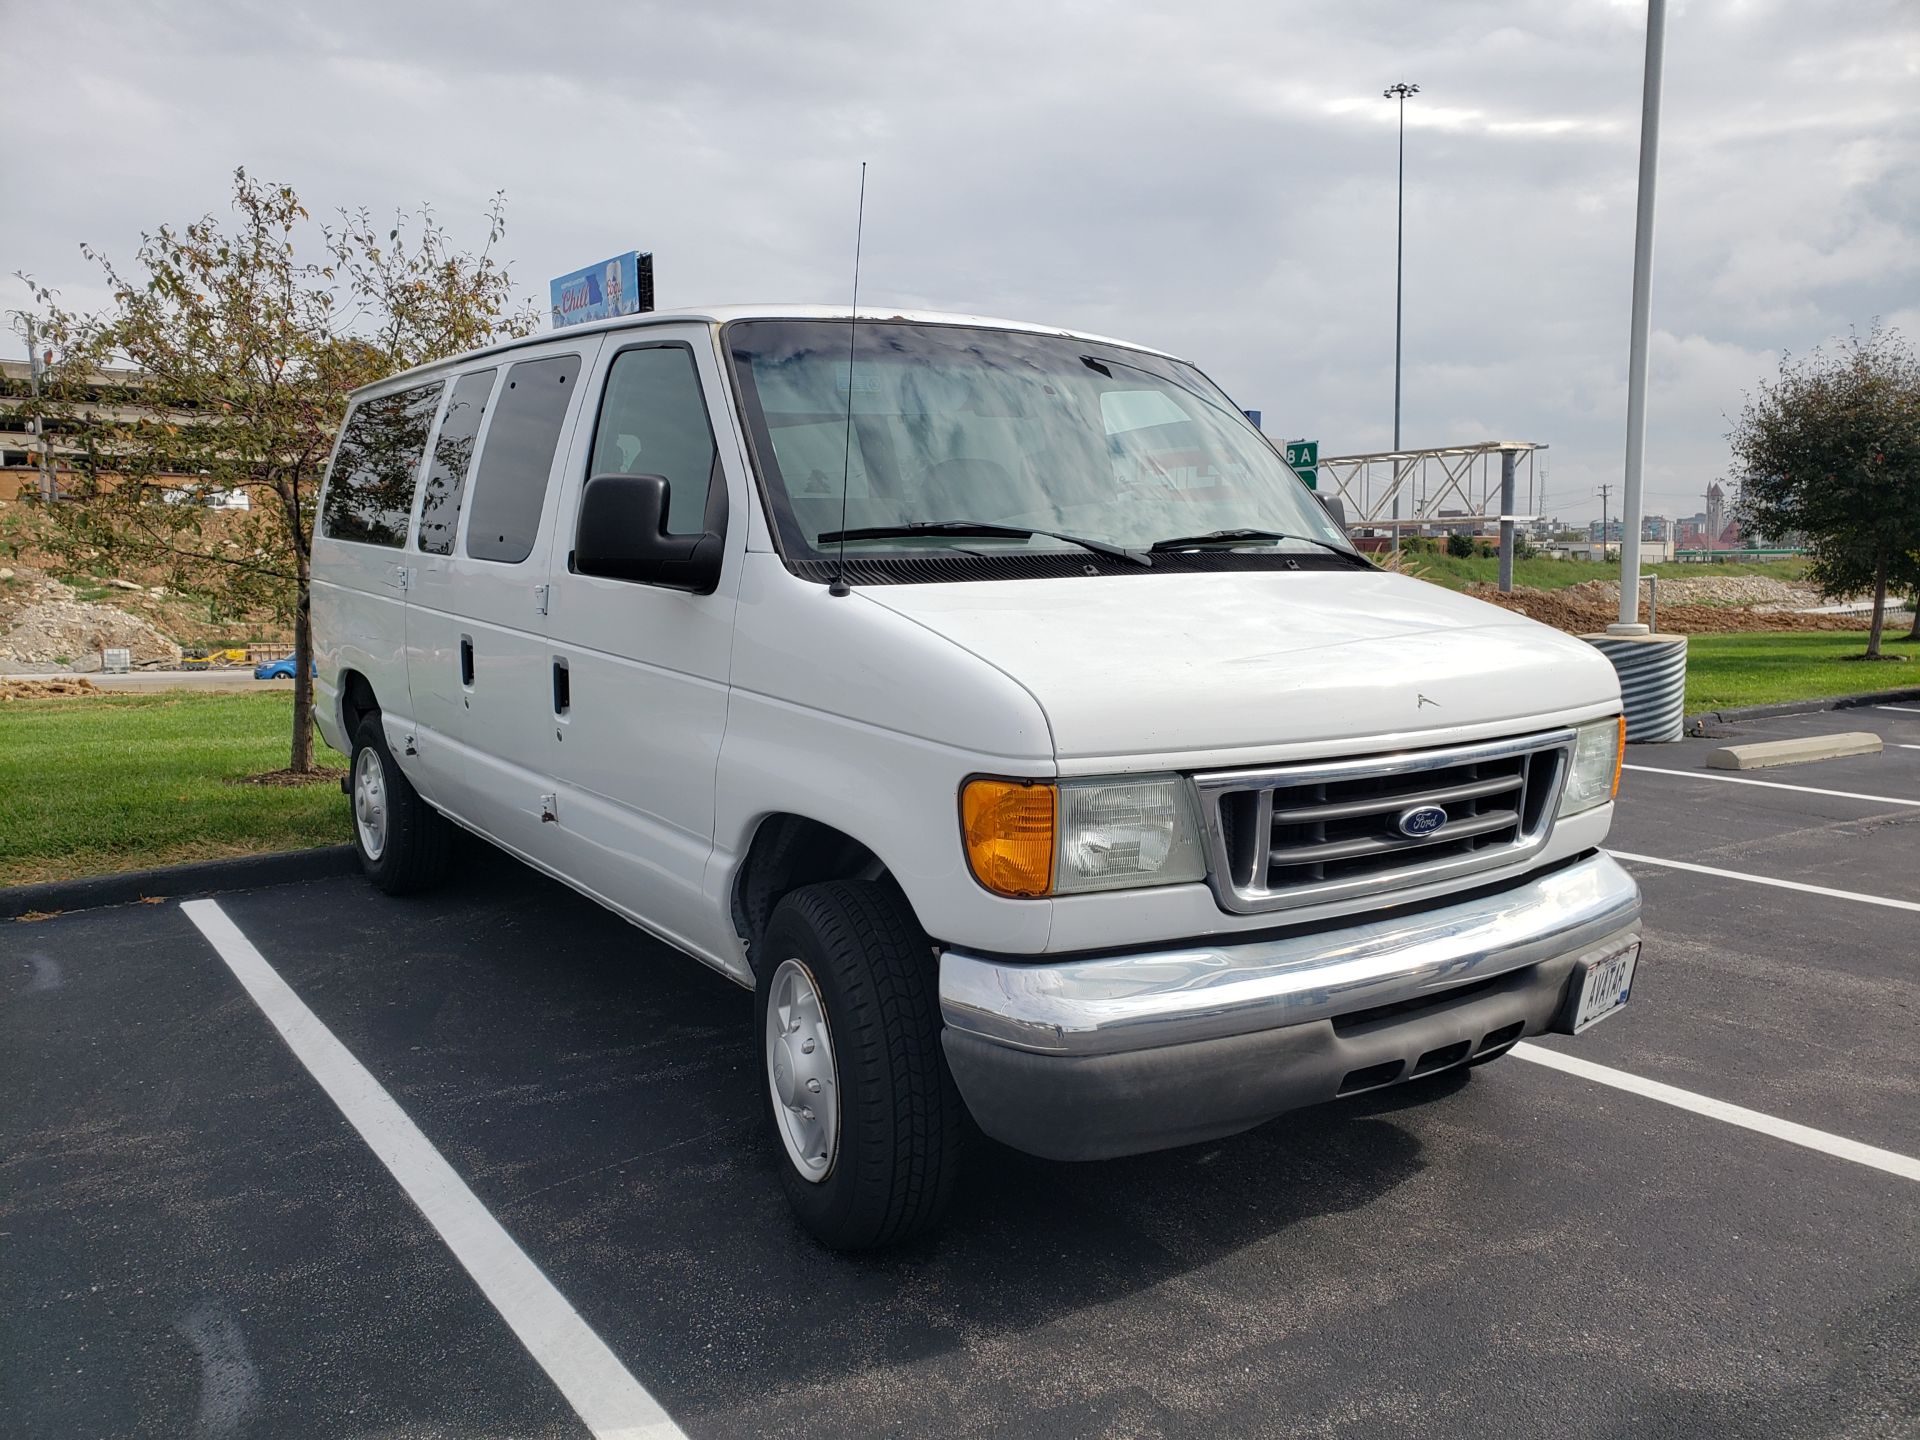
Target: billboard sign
{"points": [[620, 286]]}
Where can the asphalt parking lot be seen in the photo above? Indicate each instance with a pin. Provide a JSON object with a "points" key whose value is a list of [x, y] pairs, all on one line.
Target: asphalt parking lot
{"points": [[196, 1240]]}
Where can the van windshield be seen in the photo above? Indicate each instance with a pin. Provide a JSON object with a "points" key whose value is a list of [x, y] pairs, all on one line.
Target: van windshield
{"points": [[997, 428]]}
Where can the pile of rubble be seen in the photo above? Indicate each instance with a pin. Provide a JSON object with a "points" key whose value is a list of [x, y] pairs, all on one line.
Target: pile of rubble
{"points": [[46, 689], [1584, 615], [43, 624], [1760, 592]]}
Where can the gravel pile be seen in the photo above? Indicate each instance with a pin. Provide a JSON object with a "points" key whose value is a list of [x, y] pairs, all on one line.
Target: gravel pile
{"points": [[46, 626]]}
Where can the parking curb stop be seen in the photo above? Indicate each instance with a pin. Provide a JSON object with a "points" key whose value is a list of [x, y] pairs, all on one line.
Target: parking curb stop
{"points": [[203, 877]]}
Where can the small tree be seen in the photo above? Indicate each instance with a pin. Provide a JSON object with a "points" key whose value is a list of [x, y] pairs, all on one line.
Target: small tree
{"points": [[1460, 547], [1831, 450], [245, 353]]}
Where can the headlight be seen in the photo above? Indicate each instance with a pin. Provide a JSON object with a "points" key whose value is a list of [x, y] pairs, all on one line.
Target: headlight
{"points": [[1027, 838], [1594, 778]]}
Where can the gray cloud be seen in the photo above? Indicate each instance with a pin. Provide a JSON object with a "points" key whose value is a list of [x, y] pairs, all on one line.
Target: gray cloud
{"points": [[1214, 178]]}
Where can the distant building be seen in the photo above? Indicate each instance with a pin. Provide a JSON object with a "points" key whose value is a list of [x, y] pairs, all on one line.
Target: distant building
{"points": [[112, 395]]}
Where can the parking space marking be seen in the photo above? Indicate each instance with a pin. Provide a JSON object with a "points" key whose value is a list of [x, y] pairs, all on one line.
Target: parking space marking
{"points": [[1905, 1166], [1901, 709], [614, 1405], [1775, 784], [1856, 895]]}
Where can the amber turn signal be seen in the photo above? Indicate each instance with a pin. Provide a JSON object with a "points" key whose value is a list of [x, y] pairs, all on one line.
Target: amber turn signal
{"points": [[1619, 757], [1008, 825]]}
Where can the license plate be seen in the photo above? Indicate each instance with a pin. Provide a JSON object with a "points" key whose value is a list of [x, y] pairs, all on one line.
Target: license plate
{"points": [[1604, 988]]}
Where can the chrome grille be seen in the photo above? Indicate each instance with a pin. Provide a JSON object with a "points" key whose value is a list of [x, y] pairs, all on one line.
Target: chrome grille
{"points": [[1290, 835]]}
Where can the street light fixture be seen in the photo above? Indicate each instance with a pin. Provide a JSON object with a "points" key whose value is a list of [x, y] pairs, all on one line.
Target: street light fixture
{"points": [[1399, 91]]}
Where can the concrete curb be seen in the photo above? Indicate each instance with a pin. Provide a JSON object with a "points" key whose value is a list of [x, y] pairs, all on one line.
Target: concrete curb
{"points": [[1801, 707], [203, 877]]}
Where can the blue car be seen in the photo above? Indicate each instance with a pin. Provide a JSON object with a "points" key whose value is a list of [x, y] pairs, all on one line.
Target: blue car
{"points": [[281, 669]]}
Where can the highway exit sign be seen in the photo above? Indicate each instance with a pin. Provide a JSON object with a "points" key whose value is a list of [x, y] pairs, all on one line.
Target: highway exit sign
{"points": [[1304, 457]]}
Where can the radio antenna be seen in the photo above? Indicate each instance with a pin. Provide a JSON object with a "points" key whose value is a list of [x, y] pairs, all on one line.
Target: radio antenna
{"points": [[839, 583]]}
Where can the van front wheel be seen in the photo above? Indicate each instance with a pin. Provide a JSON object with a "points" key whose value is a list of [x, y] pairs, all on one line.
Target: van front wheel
{"points": [[403, 843], [864, 1112]]}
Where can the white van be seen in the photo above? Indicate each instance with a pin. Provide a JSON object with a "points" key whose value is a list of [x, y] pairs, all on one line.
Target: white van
{"points": [[993, 701]]}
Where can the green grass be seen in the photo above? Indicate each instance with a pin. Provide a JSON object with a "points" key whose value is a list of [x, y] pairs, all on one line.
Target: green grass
{"points": [[1760, 669], [1540, 574], [122, 782]]}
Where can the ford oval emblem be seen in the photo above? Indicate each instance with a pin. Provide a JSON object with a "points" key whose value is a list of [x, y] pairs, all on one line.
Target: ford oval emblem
{"points": [[1421, 821]]}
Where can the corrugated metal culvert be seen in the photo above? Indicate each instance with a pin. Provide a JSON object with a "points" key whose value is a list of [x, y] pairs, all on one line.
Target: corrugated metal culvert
{"points": [[1653, 682]]}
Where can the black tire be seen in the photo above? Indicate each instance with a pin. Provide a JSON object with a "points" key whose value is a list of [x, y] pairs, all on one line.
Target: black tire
{"points": [[900, 1119], [418, 842]]}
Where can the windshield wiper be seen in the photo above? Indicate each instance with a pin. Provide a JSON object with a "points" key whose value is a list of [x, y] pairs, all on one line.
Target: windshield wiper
{"points": [[1234, 537], [979, 529]]}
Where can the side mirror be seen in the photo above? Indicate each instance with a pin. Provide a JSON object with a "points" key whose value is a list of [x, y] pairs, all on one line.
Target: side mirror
{"points": [[1335, 507], [622, 535]]}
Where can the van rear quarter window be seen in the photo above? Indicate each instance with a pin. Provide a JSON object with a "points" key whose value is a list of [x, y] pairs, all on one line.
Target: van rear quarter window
{"points": [[510, 487], [452, 457], [370, 492]]}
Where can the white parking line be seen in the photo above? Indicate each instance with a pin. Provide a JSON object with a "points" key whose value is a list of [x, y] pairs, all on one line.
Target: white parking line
{"points": [[1768, 880], [1774, 784], [613, 1404], [1905, 1166], [1901, 709]]}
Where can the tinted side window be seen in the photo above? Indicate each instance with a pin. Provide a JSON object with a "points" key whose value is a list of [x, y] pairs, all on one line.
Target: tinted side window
{"points": [[452, 455], [510, 486], [654, 422], [370, 491]]}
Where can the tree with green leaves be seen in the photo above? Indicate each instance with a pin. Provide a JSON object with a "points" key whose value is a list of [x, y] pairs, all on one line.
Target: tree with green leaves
{"points": [[246, 338], [1830, 450]]}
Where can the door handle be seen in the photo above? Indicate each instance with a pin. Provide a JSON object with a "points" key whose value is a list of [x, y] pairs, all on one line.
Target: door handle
{"points": [[466, 661], [562, 687]]}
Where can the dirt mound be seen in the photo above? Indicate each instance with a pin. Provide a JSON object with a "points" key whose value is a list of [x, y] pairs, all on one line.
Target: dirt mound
{"points": [[1581, 610], [46, 625], [46, 689]]}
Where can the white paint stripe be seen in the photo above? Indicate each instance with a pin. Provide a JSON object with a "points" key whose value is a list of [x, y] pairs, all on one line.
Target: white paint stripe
{"points": [[614, 1405], [1773, 784], [1769, 880], [1898, 745], [1906, 1167], [1901, 709]]}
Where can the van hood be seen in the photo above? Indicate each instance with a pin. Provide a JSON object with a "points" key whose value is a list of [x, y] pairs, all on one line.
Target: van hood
{"points": [[1245, 659]]}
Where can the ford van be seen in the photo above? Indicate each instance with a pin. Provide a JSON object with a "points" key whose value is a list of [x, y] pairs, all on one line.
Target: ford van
{"points": [[993, 701]]}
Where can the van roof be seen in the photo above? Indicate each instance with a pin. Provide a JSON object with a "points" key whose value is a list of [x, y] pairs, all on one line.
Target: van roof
{"points": [[721, 314]]}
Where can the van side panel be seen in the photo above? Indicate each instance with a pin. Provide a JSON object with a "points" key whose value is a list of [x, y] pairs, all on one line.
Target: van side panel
{"points": [[360, 557], [637, 685], [485, 756]]}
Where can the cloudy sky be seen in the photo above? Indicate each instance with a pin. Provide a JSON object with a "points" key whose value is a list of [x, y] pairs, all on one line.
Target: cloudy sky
{"points": [[1213, 178]]}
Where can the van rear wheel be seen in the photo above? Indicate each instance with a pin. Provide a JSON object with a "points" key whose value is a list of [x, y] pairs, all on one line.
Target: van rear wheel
{"points": [[865, 1116], [403, 843]]}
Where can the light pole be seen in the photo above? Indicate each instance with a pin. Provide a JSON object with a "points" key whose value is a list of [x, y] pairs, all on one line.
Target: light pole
{"points": [[1399, 91], [1628, 624]]}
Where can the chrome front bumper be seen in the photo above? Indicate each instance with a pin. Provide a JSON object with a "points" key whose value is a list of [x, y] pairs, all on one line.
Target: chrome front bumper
{"points": [[1117, 1054]]}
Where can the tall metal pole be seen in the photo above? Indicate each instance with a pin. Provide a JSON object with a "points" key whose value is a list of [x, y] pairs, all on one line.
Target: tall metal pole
{"points": [[1642, 307], [39, 419], [1400, 92]]}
